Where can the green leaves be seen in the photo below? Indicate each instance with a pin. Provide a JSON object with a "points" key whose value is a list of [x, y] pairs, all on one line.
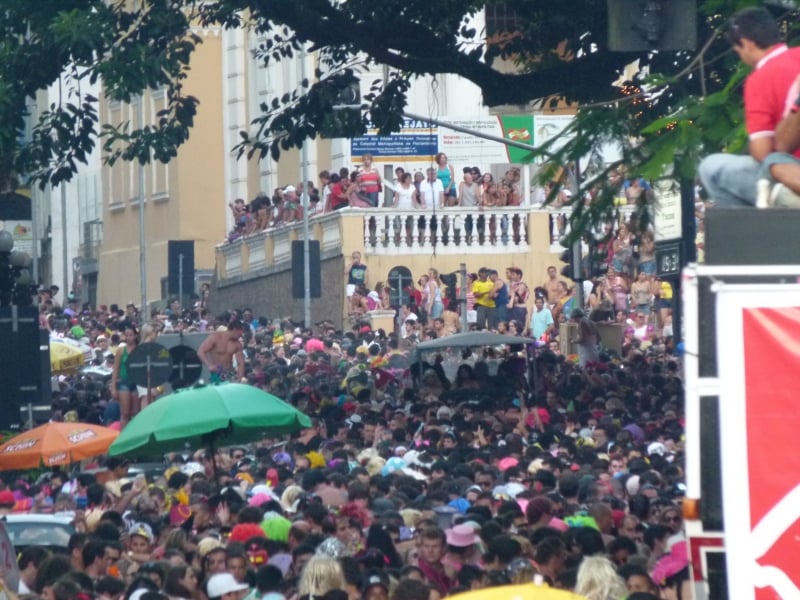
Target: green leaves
{"points": [[129, 46], [152, 142], [676, 108]]}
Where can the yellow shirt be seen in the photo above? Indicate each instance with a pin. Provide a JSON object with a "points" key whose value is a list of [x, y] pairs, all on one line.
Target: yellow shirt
{"points": [[479, 287], [666, 290]]}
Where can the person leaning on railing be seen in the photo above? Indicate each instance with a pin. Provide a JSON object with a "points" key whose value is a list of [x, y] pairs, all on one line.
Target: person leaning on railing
{"points": [[337, 198]]}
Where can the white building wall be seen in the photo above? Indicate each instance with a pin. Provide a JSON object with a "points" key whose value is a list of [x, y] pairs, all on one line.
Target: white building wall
{"points": [[235, 118], [83, 201]]}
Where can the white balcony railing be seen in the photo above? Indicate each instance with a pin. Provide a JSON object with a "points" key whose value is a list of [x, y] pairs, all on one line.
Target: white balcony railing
{"points": [[386, 231], [446, 231]]}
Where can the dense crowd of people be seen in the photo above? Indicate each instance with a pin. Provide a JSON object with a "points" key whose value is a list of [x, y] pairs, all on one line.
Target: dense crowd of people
{"points": [[628, 294], [421, 477]]}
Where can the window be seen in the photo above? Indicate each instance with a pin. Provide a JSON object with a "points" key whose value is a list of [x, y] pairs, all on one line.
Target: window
{"points": [[159, 171], [399, 278], [118, 181], [500, 18]]}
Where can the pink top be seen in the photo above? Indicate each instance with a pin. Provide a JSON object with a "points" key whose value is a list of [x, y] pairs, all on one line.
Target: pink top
{"points": [[370, 181]]}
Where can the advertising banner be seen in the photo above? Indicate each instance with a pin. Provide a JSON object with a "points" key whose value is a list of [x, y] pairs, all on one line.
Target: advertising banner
{"points": [[419, 141], [759, 361]]}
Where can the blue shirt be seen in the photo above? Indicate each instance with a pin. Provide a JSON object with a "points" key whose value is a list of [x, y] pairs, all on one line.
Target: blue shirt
{"points": [[540, 321]]}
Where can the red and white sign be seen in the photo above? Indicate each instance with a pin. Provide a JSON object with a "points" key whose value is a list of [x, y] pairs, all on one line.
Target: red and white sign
{"points": [[758, 352]]}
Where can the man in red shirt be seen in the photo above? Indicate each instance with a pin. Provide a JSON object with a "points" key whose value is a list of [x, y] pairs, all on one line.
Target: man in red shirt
{"points": [[783, 167], [769, 93]]}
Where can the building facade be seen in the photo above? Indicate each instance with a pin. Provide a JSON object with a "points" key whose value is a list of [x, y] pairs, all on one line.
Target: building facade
{"points": [[188, 199]]}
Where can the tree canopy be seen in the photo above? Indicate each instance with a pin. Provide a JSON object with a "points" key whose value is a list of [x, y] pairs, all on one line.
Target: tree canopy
{"points": [[676, 106]]}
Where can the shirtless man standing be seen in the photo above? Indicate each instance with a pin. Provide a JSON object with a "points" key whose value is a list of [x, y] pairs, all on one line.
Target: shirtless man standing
{"points": [[553, 286], [218, 351]]}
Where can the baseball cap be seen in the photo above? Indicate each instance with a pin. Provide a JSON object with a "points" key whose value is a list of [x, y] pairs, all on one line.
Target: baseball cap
{"points": [[289, 189], [223, 583], [143, 530], [375, 579]]}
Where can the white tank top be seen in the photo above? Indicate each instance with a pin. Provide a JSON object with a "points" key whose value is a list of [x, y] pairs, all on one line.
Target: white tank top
{"points": [[469, 195], [404, 197]]}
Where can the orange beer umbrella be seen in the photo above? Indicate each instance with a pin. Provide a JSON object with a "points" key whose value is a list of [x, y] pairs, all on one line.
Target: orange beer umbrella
{"points": [[55, 444]]}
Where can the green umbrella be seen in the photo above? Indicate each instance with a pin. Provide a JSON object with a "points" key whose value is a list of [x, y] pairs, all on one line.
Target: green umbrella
{"points": [[208, 415]]}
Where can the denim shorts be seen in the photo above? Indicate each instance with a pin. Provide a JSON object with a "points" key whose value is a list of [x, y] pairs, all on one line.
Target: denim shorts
{"points": [[126, 386]]}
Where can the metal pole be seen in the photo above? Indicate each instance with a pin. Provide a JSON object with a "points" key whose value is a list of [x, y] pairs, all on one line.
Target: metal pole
{"points": [[64, 256], [688, 254], [577, 246], [35, 234], [577, 260], [142, 244], [304, 200], [180, 279], [691, 375], [462, 300]]}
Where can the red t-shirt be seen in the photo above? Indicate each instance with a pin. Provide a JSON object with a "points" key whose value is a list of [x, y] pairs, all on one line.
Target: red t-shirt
{"points": [[770, 91], [337, 195]]}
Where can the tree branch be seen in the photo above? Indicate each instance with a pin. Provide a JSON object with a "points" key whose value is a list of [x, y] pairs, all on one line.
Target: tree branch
{"points": [[410, 47]]}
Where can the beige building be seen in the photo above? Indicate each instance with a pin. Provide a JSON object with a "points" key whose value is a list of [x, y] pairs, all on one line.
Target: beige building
{"points": [[183, 200], [256, 271], [188, 198]]}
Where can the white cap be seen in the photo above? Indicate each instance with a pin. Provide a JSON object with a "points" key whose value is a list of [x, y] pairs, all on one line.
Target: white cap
{"points": [[223, 583], [289, 188], [411, 317], [444, 413]]}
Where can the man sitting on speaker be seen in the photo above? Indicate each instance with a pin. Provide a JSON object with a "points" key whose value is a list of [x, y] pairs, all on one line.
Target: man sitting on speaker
{"points": [[769, 92], [782, 167], [218, 351]]}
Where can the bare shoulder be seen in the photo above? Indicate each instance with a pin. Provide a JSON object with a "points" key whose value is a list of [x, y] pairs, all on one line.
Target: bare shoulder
{"points": [[211, 340]]}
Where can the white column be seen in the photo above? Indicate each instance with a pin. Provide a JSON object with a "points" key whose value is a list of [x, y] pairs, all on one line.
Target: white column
{"points": [[234, 114]]}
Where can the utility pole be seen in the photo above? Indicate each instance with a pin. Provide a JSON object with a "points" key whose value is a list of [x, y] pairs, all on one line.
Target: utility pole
{"points": [[305, 203], [180, 280], [142, 241]]}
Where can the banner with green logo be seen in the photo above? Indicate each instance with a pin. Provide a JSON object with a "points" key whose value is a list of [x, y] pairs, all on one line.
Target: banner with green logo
{"points": [[518, 128]]}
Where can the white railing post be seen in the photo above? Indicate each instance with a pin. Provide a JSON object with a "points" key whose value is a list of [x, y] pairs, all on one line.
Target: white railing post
{"points": [[367, 241]]}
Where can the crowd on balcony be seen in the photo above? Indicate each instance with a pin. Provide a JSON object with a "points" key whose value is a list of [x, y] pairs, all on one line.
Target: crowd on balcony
{"points": [[363, 187]]}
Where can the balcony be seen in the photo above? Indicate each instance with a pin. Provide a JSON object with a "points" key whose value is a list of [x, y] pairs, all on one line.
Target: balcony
{"points": [[256, 271], [385, 232]]}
